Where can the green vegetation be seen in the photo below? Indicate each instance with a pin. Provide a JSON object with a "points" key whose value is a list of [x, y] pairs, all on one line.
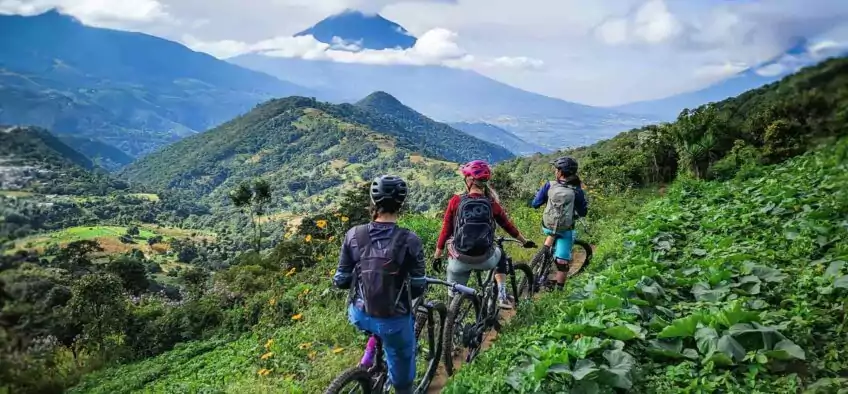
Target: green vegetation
{"points": [[310, 152]]}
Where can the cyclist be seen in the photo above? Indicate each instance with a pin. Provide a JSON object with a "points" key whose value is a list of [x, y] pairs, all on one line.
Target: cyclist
{"points": [[468, 230], [383, 266], [565, 203]]}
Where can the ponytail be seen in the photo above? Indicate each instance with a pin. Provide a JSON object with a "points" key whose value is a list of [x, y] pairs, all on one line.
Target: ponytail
{"points": [[488, 190]]}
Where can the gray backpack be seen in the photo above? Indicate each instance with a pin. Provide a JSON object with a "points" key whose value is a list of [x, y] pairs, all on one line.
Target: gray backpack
{"points": [[559, 213]]}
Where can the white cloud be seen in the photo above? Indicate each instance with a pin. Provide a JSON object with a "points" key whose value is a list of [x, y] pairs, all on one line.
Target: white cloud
{"points": [[93, 12], [613, 31], [652, 23], [772, 70], [720, 71], [519, 62]]}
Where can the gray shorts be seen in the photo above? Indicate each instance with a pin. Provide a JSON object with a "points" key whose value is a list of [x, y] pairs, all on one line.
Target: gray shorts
{"points": [[459, 272]]}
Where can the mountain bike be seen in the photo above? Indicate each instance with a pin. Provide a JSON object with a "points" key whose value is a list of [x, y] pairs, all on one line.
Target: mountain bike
{"points": [[464, 333], [543, 262], [373, 377]]}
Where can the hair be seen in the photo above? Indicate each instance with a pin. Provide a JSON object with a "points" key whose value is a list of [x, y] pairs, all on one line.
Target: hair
{"points": [[385, 207], [488, 190]]}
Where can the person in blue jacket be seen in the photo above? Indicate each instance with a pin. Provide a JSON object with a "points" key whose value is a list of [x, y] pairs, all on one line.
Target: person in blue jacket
{"points": [[563, 240]]}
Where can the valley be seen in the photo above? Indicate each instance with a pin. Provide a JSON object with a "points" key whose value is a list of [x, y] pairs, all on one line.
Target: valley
{"points": [[171, 222]]}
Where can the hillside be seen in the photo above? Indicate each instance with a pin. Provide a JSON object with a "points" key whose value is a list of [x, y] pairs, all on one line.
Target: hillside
{"points": [[100, 153], [34, 160], [309, 151], [131, 90], [499, 136]]}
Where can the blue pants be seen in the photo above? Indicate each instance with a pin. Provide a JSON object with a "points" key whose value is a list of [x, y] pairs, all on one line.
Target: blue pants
{"points": [[563, 242], [398, 337]]}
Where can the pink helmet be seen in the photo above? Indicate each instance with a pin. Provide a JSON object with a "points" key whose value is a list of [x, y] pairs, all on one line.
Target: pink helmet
{"points": [[478, 170]]}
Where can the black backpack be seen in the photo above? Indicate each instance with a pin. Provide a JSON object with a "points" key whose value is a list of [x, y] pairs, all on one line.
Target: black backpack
{"points": [[380, 277], [474, 231]]}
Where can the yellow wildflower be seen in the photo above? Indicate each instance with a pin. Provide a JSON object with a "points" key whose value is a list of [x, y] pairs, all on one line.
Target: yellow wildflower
{"points": [[345, 219], [266, 372], [322, 224], [308, 238], [262, 372], [304, 346], [338, 350], [291, 271], [312, 355], [332, 238], [267, 355], [272, 302], [306, 291], [297, 316], [269, 343], [331, 272]]}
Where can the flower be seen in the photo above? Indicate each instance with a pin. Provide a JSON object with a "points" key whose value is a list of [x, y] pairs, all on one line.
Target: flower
{"points": [[308, 238], [304, 346], [269, 343], [272, 302], [264, 372], [322, 224], [338, 350], [345, 219], [291, 271], [312, 355], [297, 316], [305, 291], [331, 272], [267, 355], [332, 238]]}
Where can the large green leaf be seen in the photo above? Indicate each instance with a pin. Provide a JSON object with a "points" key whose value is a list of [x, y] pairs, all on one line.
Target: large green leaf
{"points": [[754, 336], [707, 339], [728, 346], [703, 292], [765, 273], [683, 327], [735, 315], [584, 347], [834, 269], [585, 387], [649, 290], [625, 332], [617, 373], [786, 350], [667, 348], [583, 369], [841, 282]]}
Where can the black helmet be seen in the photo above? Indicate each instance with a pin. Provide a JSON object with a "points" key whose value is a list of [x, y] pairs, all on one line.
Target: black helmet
{"points": [[388, 187], [566, 164]]}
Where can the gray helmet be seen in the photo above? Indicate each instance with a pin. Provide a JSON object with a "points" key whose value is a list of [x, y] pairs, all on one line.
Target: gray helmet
{"points": [[388, 187], [566, 164]]}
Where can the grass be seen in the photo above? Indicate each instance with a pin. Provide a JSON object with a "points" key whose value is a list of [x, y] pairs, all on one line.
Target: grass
{"points": [[146, 196], [16, 193]]}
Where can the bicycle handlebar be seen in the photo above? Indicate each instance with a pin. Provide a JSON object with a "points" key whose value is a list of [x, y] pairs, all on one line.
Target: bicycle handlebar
{"points": [[501, 240], [455, 286]]}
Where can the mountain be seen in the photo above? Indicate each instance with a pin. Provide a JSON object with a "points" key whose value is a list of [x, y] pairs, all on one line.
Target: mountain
{"points": [[310, 151], [99, 152], [366, 31], [33, 159], [131, 90], [442, 93], [499, 136], [431, 136], [802, 54]]}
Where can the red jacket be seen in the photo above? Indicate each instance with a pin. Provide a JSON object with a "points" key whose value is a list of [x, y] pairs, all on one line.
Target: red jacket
{"points": [[450, 216]]}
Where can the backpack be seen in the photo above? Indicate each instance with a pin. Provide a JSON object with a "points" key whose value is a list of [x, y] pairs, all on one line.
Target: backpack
{"points": [[474, 232], [380, 278], [559, 212]]}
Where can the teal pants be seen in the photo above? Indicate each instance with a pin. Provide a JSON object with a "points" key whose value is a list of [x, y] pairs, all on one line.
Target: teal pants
{"points": [[563, 243]]}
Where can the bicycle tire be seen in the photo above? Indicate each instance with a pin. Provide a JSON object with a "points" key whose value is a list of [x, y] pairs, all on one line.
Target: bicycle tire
{"points": [[359, 375], [575, 269], [520, 287], [448, 345], [434, 340], [541, 264]]}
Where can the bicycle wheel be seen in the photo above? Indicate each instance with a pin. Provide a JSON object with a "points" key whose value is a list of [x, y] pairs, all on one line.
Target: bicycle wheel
{"points": [[581, 255], [463, 314], [541, 264], [429, 321], [354, 380], [521, 281]]}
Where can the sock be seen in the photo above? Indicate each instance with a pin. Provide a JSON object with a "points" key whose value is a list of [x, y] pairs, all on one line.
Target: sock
{"points": [[368, 357], [502, 290]]}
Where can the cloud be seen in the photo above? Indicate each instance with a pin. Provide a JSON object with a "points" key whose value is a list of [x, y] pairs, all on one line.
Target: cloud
{"points": [[93, 12], [435, 47], [720, 71], [613, 31], [651, 23]]}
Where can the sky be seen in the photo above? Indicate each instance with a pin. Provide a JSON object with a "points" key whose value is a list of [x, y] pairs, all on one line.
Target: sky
{"points": [[597, 52]]}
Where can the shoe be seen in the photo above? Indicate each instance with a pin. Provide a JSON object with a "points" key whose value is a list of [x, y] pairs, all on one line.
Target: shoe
{"points": [[505, 302]]}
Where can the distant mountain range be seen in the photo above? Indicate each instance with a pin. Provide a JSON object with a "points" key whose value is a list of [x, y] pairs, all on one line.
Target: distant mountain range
{"points": [[497, 135], [804, 53], [442, 93], [311, 150], [131, 90]]}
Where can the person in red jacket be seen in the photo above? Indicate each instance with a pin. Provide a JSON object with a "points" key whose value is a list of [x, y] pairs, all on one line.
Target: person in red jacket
{"points": [[468, 231]]}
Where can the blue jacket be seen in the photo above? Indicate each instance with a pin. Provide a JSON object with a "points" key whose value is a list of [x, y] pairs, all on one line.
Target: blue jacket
{"points": [[581, 206]]}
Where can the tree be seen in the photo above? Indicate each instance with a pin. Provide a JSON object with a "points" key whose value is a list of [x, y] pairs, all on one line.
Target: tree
{"points": [[252, 200], [75, 256], [132, 272], [133, 231], [97, 303]]}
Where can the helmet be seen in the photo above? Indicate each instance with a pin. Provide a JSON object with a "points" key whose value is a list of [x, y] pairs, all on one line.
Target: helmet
{"points": [[566, 164], [478, 170], [388, 187]]}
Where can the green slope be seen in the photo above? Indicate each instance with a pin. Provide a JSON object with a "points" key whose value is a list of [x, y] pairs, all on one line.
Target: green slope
{"points": [[309, 151]]}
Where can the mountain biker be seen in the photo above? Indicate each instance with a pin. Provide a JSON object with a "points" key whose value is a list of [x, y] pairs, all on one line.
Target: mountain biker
{"points": [[468, 229], [383, 265], [565, 203]]}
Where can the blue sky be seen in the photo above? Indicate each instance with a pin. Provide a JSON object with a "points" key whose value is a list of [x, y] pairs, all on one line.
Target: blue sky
{"points": [[600, 52]]}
